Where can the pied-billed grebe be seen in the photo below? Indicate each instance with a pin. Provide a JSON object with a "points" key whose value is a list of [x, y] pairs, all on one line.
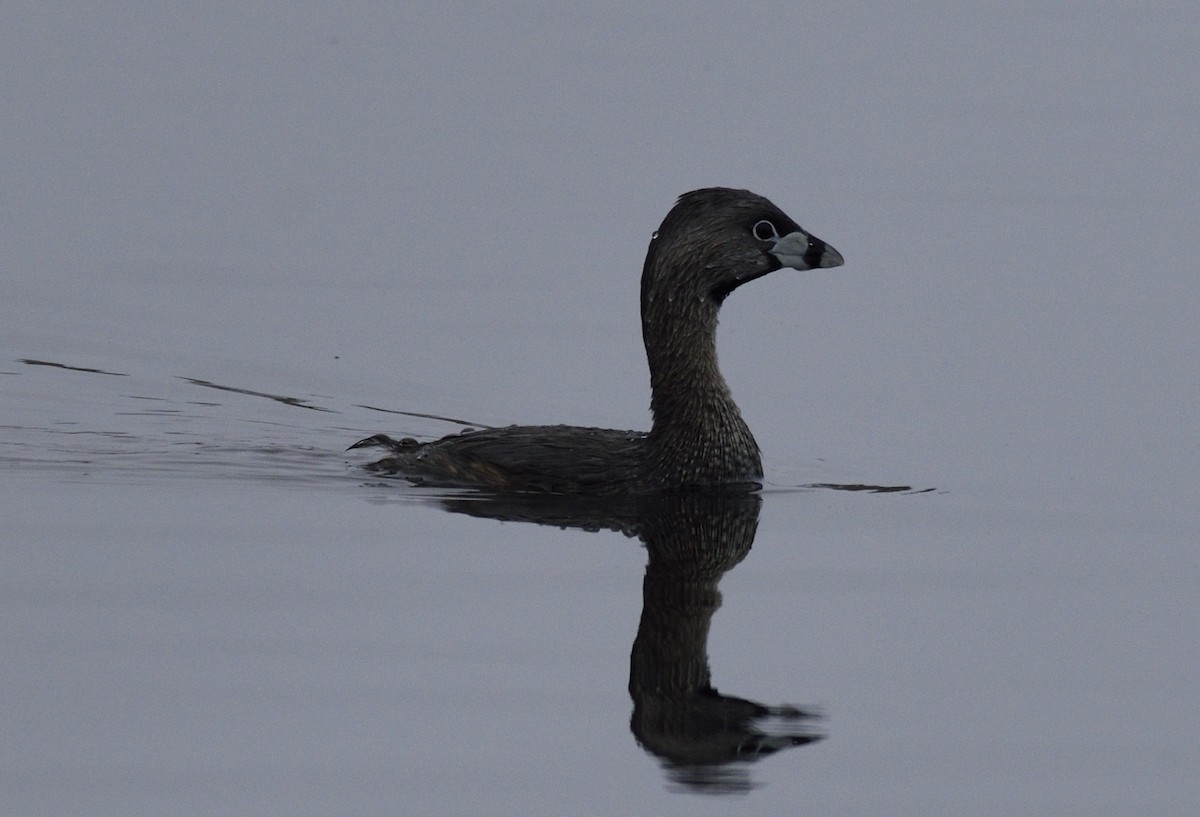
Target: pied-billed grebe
{"points": [[713, 241]]}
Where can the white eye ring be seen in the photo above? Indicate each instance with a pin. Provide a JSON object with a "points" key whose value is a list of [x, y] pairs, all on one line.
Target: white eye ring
{"points": [[764, 231]]}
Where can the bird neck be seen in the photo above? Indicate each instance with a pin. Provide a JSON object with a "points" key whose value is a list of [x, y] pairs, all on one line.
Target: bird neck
{"points": [[698, 435]]}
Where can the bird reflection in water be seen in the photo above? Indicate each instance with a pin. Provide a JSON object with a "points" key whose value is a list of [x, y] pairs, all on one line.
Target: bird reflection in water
{"points": [[705, 740]]}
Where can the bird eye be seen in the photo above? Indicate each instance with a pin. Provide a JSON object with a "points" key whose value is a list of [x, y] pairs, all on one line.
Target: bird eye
{"points": [[764, 231]]}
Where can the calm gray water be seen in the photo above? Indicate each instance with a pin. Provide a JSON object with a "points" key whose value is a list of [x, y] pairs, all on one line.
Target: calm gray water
{"points": [[198, 623], [234, 244]]}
